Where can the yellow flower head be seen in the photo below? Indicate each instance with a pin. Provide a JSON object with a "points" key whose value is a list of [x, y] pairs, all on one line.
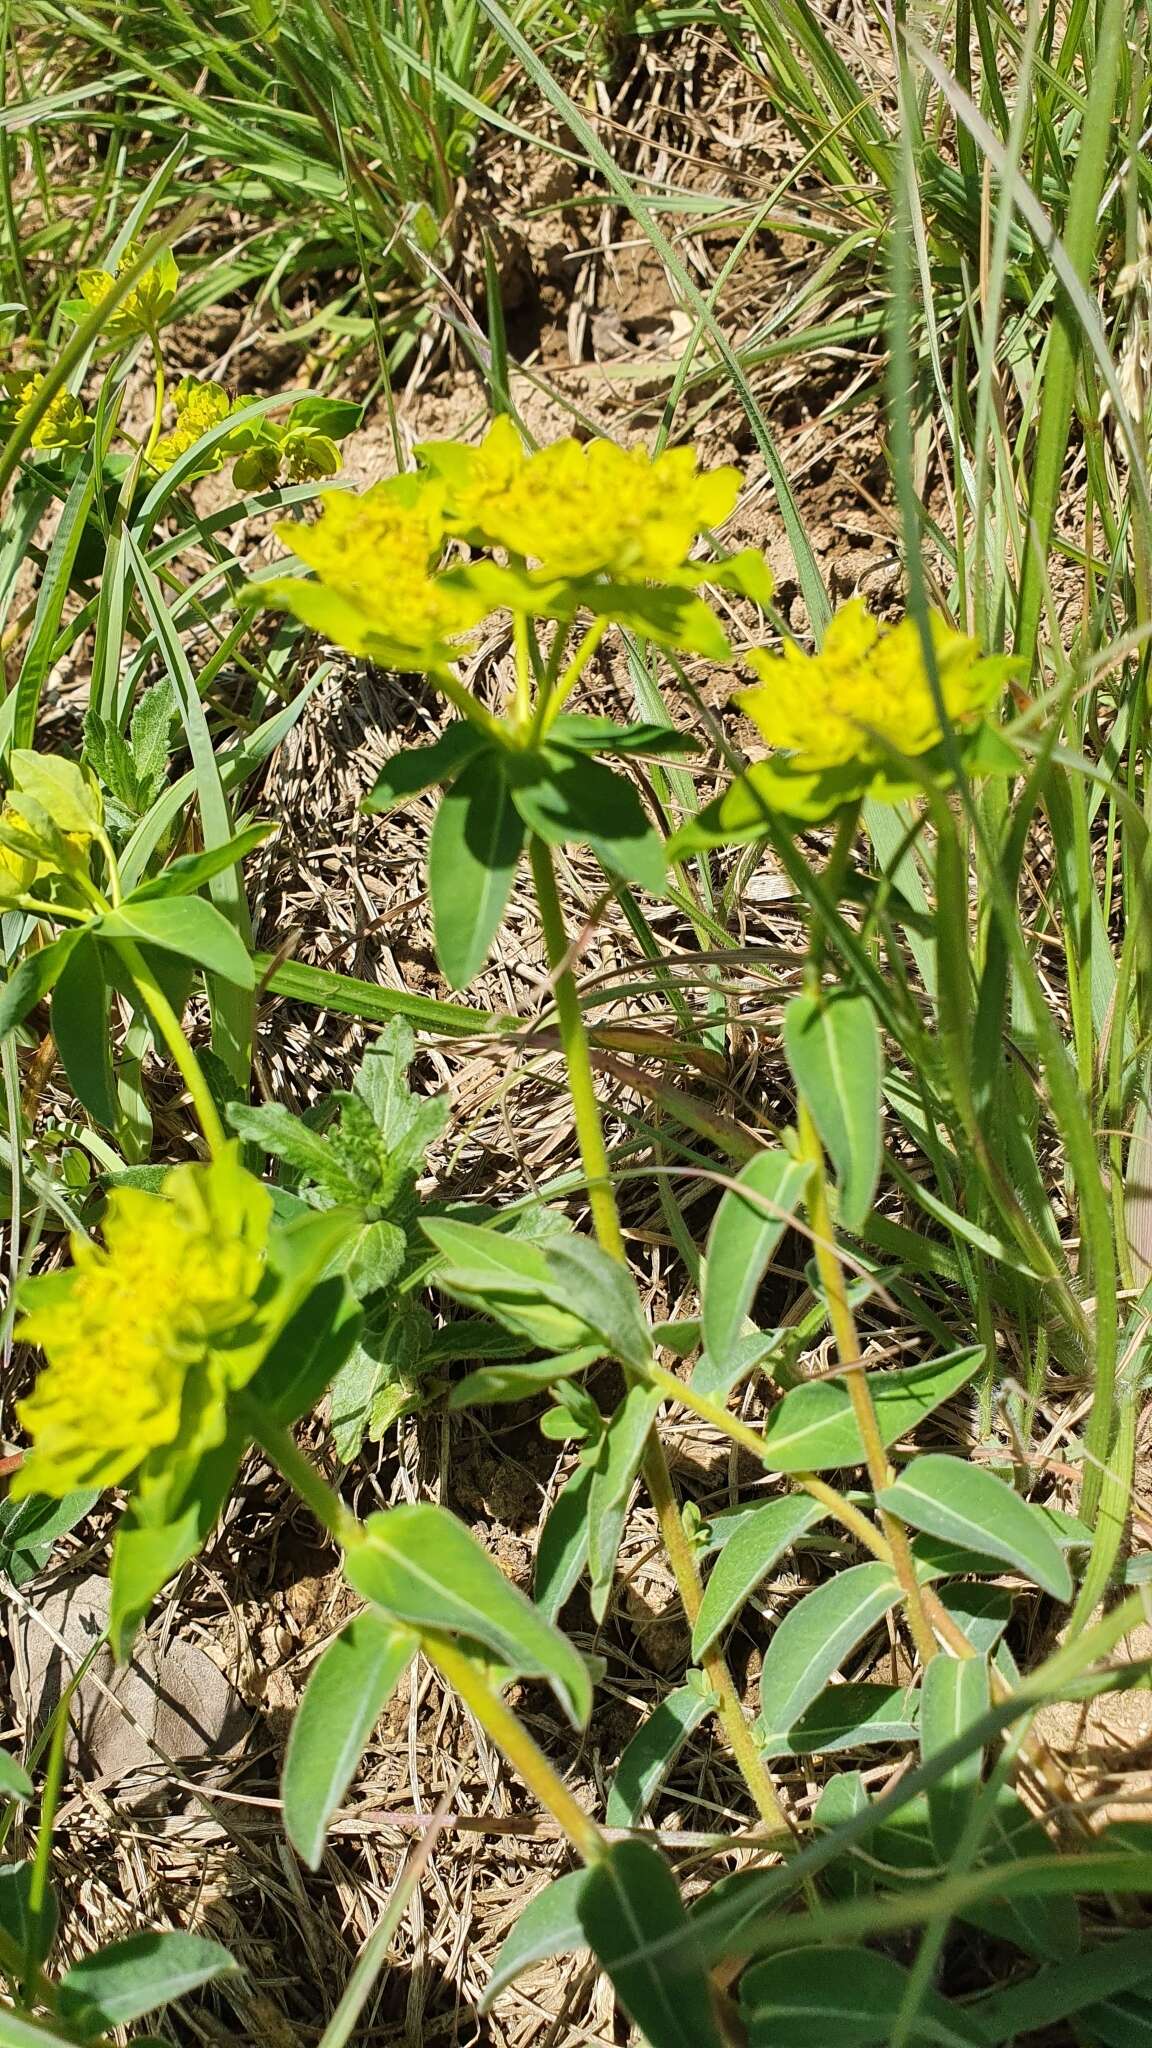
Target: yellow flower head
{"points": [[64, 425], [149, 300], [146, 1334], [576, 510], [867, 691], [375, 556], [199, 405]]}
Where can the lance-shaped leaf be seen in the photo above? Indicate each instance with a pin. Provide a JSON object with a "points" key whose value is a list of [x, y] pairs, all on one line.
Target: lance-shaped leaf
{"points": [[813, 1429], [750, 1221], [472, 858], [654, 1749], [343, 1700], [549, 1926], [629, 1903], [968, 1505], [747, 1557], [423, 1567], [833, 1049], [816, 1635], [120, 1983], [618, 1457], [954, 1694]]}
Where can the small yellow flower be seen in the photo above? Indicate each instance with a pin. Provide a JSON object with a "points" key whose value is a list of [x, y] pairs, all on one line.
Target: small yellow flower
{"points": [[149, 300], [375, 556], [146, 1334], [64, 425], [868, 691], [579, 510], [199, 405]]}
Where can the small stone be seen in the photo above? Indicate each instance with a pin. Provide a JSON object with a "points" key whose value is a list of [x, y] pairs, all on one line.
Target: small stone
{"points": [[133, 1726]]}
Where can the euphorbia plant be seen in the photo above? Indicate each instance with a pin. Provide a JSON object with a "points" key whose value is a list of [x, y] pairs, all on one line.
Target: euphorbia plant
{"points": [[254, 1317]]}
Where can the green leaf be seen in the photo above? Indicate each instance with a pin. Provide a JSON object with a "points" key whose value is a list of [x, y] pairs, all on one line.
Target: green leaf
{"points": [[14, 1780], [19, 2033], [746, 1559], [1053, 1995], [548, 1926], [603, 1293], [817, 1634], [718, 1377], [749, 1224], [969, 1505], [308, 1152], [845, 1717], [32, 978], [833, 1049], [630, 1900], [488, 1268], [568, 798], [954, 1693], [813, 1429], [618, 1457], [129, 1978], [982, 1612], [33, 1933], [747, 573], [493, 1385], [80, 1025], [309, 1352], [414, 769], [849, 1997], [150, 737], [187, 925], [146, 1553], [562, 1548], [472, 859], [336, 417], [423, 1566], [1038, 1912], [653, 1750], [348, 996], [586, 734], [29, 1530], [190, 871], [345, 1696]]}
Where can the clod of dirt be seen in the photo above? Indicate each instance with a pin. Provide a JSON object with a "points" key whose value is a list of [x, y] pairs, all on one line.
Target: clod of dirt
{"points": [[133, 1726]]}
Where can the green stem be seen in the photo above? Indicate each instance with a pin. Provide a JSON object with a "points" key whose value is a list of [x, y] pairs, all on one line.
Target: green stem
{"points": [[514, 1742], [546, 711], [855, 1377], [606, 1220], [172, 1032], [577, 1057], [280, 1446], [158, 402], [42, 1861]]}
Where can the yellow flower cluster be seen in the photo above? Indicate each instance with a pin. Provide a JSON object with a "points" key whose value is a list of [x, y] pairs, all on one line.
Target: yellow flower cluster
{"points": [[868, 691], [576, 510], [199, 405], [145, 1335], [65, 424], [375, 557], [145, 306]]}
